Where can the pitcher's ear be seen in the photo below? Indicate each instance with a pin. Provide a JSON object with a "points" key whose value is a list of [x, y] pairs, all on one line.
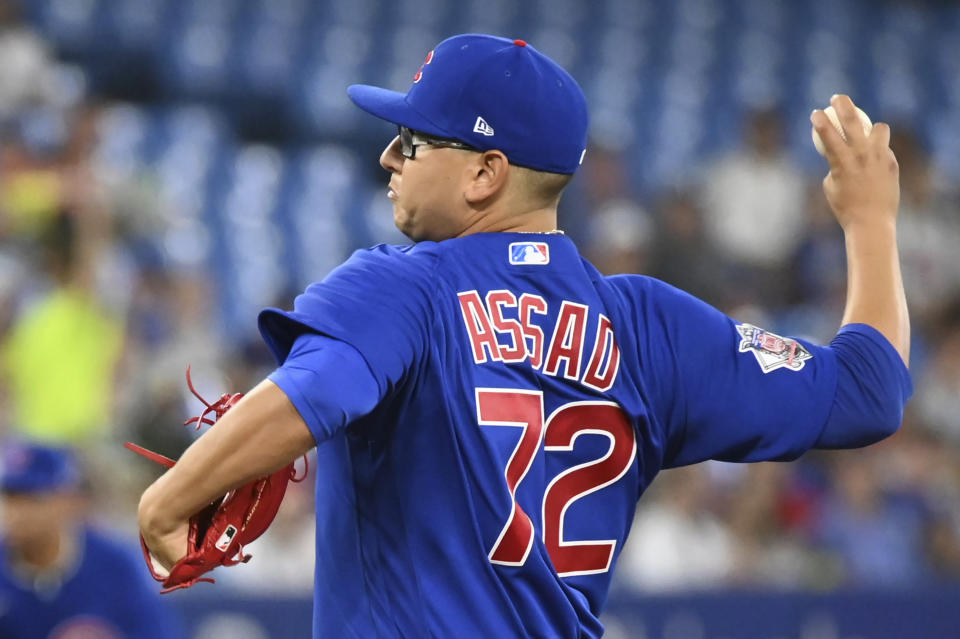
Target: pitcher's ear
{"points": [[487, 175]]}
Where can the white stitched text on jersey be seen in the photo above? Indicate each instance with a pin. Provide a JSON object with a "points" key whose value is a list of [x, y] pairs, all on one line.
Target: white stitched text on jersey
{"points": [[565, 350], [772, 351]]}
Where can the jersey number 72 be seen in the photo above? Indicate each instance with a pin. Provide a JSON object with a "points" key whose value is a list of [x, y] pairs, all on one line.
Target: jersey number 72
{"points": [[524, 409]]}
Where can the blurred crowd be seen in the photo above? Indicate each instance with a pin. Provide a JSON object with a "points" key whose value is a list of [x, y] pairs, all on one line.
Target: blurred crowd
{"points": [[752, 234], [98, 323]]}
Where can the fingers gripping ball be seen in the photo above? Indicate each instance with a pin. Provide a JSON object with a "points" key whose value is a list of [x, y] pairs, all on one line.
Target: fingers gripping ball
{"points": [[219, 531], [831, 113]]}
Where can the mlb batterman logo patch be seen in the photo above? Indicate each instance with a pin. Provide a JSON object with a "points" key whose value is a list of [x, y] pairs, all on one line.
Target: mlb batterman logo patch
{"points": [[772, 351], [224, 541], [529, 253]]}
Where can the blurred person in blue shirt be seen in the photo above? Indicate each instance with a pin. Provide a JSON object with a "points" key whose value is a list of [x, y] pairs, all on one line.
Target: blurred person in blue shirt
{"points": [[877, 533], [60, 577]]}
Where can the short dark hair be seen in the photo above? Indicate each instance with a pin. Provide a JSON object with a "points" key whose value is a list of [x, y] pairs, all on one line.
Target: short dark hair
{"points": [[542, 186]]}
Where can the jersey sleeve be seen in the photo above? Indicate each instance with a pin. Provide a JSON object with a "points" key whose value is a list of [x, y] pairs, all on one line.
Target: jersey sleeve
{"points": [[378, 302], [873, 386], [328, 382], [726, 390]]}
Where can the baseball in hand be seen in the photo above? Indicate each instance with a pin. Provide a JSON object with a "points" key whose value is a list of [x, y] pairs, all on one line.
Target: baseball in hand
{"points": [[832, 114]]}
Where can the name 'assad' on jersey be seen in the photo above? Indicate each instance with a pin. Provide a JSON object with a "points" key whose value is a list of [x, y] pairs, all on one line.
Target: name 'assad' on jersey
{"points": [[525, 403]]}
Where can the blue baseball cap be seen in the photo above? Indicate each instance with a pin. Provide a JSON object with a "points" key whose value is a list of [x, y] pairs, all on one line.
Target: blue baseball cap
{"points": [[32, 468], [492, 93]]}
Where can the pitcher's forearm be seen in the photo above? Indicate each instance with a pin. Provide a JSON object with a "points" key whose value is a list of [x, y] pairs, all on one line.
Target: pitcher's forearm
{"points": [[863, 189], [875, 293], [262, 433]]}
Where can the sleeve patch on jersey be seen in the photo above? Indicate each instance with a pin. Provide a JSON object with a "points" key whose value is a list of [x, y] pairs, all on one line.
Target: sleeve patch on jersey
{"points": [[772, 351]]}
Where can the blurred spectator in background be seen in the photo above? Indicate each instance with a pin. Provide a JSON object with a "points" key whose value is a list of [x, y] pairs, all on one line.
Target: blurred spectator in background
{"points": [[916, 463], [619, 231], [26, 72], [681, 254], [678, 541], [621, 235], [877, 533], [59, 577], [770, 513], [938, 393], [928, 232], [172, 324], [30, 191], [817, 280], [754, 209], [64, 340], [59, 357]]}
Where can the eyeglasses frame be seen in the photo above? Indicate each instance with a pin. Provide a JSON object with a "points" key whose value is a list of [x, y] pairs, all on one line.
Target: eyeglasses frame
{"points": [[410, 139]]}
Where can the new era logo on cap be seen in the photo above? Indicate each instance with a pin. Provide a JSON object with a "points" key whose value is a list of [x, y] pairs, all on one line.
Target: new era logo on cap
{"points": [[481, 126], [529, 253]]}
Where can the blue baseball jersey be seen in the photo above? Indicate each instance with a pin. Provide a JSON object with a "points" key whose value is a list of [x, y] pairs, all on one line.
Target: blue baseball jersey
{"points": [[106, 595], [524, 404]]}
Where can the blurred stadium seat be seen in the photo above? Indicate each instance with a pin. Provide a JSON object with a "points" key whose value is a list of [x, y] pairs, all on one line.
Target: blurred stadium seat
{"points": [[672, 78]]}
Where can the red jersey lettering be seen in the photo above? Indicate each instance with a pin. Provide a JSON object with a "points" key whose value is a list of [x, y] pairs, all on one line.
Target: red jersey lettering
{"points": [[567, 341], [529, 304], [496, 300], [602, 380], [477, 321]]}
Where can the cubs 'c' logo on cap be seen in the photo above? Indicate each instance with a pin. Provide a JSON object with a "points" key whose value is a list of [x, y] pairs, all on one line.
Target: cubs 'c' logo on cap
{"points": [[427, 61]]}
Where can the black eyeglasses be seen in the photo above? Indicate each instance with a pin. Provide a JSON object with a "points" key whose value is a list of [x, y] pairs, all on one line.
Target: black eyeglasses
{"points": [[410, 140]]}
